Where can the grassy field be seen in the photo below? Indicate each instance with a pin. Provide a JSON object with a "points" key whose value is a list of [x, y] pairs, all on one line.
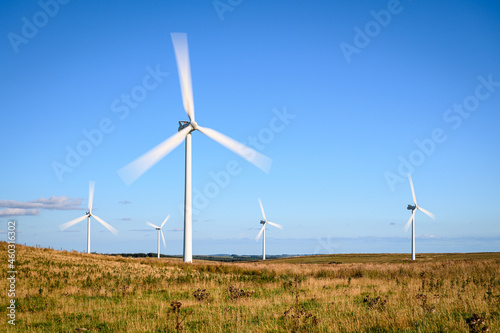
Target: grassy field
{"points": [[58, 291]]}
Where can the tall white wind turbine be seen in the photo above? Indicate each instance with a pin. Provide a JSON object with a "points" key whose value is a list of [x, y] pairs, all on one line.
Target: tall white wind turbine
{"points": [[160, 231], [263, 230], [412, 218], [135, 169], [88, 215]]}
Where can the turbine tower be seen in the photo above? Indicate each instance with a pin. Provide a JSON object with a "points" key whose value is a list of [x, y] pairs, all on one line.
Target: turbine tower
{"points": [[88, 215], [135, 169], [263, 230], [412, 218], [160, 231]]}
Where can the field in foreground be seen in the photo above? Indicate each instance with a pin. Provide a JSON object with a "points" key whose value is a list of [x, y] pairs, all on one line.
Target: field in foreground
{"points": [[58, 291]]}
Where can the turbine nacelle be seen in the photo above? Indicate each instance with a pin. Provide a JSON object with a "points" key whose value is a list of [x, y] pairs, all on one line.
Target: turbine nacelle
{"points": [[410, 207], [262, 222], [183, 124]]}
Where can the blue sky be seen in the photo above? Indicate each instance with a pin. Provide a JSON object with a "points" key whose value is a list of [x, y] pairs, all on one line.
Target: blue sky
{"points": [[346, 98]]}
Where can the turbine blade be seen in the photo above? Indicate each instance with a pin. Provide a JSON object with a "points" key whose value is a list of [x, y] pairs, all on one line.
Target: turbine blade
{"points": [[182, 56], [262, 209], [135, 169], [91, 194], [107, 226], [151, 224], [279, 226], [166, 219], [412, 190], [66, 225], [409, 221], [261, 161], [260, 232], [163, 237], [426, 212]]}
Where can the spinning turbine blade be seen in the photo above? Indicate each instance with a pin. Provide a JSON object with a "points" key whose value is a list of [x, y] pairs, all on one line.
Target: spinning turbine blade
{"points": [[275, 225], [261, 161], [165, 221], [426, 212], [409, 221], [262, 209], [182, 56], [72, 222], [412, 190], [151, 224], [91, 194], [135, 169], [163, 237], [107, 226], [260, 232]]}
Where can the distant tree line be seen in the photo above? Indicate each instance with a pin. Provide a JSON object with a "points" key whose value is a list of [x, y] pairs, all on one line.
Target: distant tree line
{"points": [[215, 257]]}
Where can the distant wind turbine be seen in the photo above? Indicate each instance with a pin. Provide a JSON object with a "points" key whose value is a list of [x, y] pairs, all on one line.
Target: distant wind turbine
{"points": [[135, 169], [412, 218], [160, 231], [88, 215], [263, 230]]}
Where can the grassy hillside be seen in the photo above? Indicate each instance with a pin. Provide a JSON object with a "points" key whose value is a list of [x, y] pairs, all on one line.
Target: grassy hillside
{"points": [[59, 291]]}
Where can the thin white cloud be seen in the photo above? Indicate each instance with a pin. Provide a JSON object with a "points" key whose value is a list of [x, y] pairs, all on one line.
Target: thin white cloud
{"points": [[125, 202], [8, 212], [52, 203], [426, 236]]}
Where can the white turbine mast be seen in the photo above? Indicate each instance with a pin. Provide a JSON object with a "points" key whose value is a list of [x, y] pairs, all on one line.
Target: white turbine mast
{"points": [[88, 215], [160, 231], [135, 169], [412, 218], [262, 231]]}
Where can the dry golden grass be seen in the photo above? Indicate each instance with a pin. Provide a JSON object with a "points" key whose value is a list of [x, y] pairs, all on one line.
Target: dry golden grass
{"points": [[58, 291]]}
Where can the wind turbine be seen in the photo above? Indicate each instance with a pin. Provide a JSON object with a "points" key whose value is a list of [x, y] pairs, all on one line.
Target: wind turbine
{"points": [[412, 218], [159, 232], [88, 215], [263, 230], [135, 169]]}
